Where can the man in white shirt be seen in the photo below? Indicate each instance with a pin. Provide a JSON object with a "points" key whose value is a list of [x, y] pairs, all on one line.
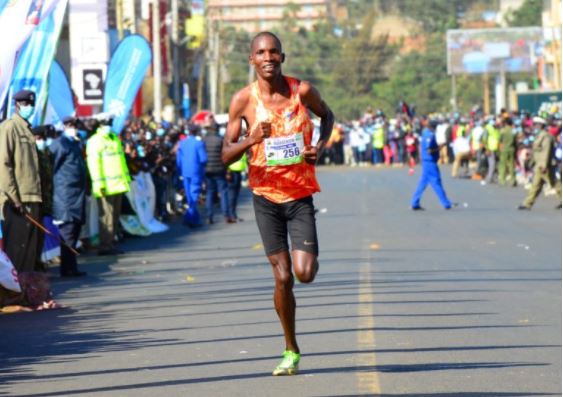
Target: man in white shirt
{"points": [[442, 141], [462, 153]]}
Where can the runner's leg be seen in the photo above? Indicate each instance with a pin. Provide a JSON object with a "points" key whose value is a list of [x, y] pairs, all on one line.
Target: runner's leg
{"points": [[284, 299], [305, 265], [272, 225], [304, 242]]}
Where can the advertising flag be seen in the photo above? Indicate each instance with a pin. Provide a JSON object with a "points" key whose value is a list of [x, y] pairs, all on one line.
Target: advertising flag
{"points": [[186, 101], [60, 102], [17, 21], [3, 4], [126, 71], [32, 68]]}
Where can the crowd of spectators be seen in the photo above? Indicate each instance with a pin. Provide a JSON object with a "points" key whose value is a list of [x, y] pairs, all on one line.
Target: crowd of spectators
{"points": [[488, 148], [84, 162], [83, 166]]}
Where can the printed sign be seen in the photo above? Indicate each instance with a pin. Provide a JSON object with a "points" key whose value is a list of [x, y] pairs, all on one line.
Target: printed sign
{"points": [[284, 150], [92, 84]]}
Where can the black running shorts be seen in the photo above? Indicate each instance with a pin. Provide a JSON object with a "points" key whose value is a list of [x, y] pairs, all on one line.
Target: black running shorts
{"points": [[276, 220]]}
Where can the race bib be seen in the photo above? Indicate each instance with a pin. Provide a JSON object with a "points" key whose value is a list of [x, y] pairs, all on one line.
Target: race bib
{"points": [[284, 150]]}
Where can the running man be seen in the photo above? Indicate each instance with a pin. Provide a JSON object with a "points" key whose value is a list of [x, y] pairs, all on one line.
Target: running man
{"points": [[281, 173]]}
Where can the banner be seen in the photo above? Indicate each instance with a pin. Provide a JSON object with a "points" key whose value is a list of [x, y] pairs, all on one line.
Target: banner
{"points": [[51, 244], [186, 107], [60, 101], [126, 71], [17, 22], [142, 197], [3, 4], [89, 48], [473, 51], [32, 68]]}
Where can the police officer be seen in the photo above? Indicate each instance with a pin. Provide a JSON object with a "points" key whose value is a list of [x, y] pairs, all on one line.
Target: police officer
{"points": [[42, 134], [110, 179], [191, 159], [69, 193], [20, 186], [491, 139], [543, 155], [430, 172], [507, 149]]}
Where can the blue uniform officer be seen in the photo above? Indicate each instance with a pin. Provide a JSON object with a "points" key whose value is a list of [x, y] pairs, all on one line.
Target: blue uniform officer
{"points": [[191, 159], [430, 172]]}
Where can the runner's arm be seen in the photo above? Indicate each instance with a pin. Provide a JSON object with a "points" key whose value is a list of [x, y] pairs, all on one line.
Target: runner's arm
{"points": [[233, 147], [311, 98]]}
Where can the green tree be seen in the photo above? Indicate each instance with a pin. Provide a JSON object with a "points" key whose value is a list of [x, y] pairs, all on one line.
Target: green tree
{"points": [[529, 14], [421, 79], [363, 60], [235, 47]]}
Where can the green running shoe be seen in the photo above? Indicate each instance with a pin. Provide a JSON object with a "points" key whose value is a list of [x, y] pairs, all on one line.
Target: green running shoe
{"points": [[289, 365]]}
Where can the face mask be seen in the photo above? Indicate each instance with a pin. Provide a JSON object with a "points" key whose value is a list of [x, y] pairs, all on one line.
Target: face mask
{"points": [[41, 145], [160, 132], [148, 136], [82, 134], [204, 131], [49, 141], [26, 111], [135, 137], [71, 133], [141, 151], [105, 129]]}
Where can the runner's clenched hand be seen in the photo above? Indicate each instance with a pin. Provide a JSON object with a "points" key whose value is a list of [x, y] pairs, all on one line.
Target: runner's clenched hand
{"points": [[310, 154], [262, 131]]}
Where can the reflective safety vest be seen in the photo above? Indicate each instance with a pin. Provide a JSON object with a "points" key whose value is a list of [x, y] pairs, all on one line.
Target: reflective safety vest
{"points": [[106, 164], [493, 138], [379, 138], [240, 165], [460, 131]]}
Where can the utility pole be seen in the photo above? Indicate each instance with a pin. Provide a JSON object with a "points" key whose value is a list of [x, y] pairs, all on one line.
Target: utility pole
{"points": [[454, 94], [217, 76], [175, 59], [500, 91], [119, 18], [133, 23], [556, 42], [200, 80], [157, 74], [486, 94], [221, 88], [212, 50]]}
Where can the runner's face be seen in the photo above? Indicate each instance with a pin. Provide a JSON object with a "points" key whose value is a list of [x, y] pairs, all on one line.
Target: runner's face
{"points": [[266, 57]]}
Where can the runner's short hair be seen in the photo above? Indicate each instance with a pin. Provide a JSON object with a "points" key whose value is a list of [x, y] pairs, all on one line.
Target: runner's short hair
{"points": [[262, 34]]}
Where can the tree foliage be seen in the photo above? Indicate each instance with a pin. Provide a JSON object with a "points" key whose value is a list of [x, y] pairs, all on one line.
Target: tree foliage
{"points": [[353, 69], [529, 14], [363, 60]]}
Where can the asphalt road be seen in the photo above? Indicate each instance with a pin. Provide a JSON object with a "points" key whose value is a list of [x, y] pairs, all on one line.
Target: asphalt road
{"points": [[464, 302]]}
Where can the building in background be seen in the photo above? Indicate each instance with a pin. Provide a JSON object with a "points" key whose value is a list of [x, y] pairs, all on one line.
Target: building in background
{"points": [[551, 21], [255, 16]]}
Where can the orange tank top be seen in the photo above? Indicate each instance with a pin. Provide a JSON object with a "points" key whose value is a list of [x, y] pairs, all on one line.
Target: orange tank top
{"points": [[281, 183]]}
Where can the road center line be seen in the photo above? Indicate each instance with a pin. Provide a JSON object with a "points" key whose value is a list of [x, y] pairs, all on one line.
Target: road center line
{"points": [[368, 380]]}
